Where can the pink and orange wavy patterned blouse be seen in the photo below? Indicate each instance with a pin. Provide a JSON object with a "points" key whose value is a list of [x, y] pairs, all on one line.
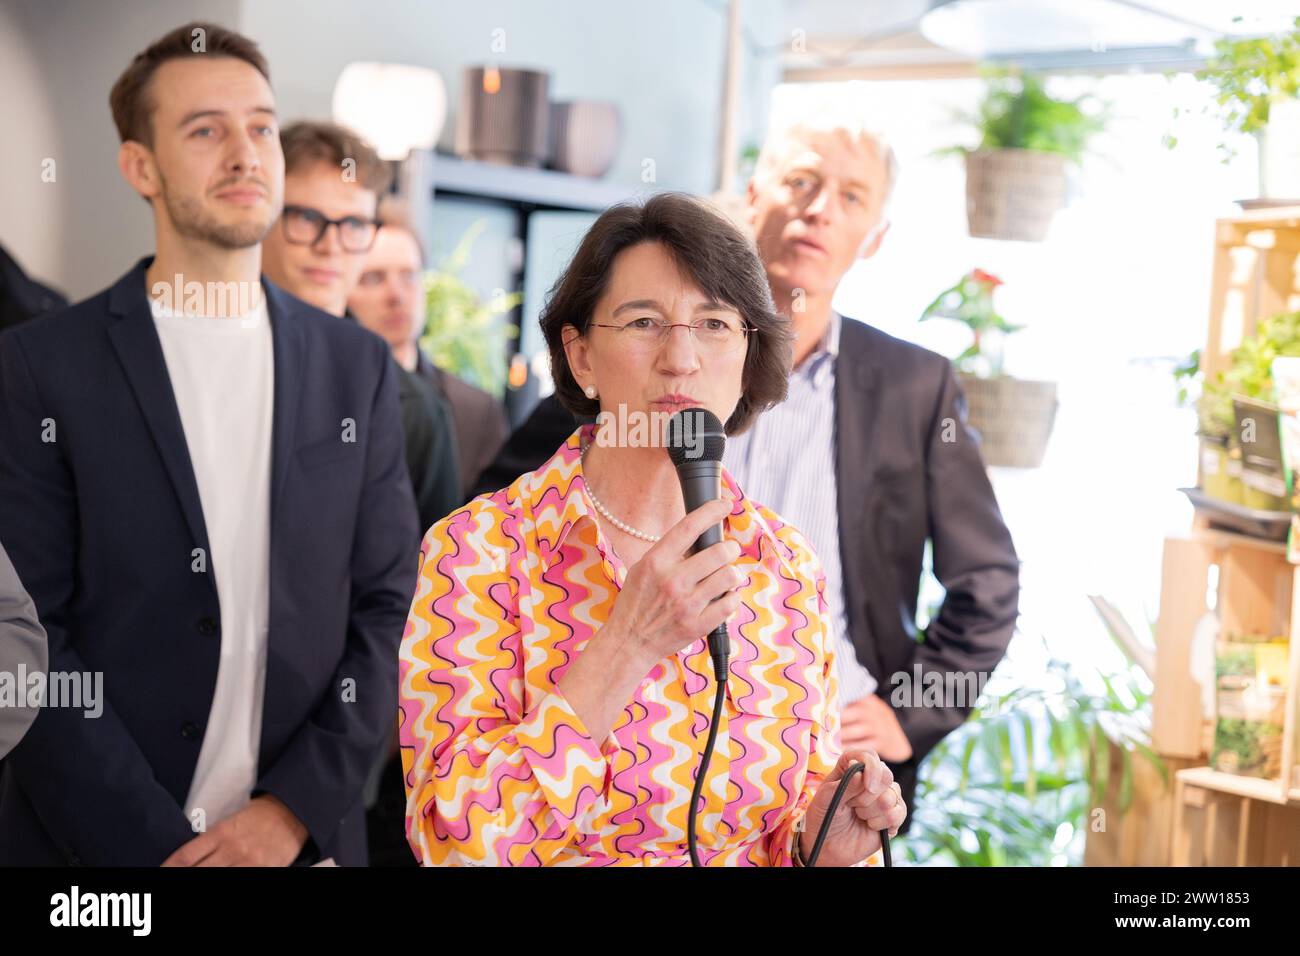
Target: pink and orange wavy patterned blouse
{"points": [[499, 768]]}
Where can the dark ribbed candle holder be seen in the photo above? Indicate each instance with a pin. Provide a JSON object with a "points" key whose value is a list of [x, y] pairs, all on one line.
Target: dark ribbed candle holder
{"points": [[504, 116]]}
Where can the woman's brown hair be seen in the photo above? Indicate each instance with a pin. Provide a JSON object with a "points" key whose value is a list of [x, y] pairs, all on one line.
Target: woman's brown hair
{"points": [[709, 249]]}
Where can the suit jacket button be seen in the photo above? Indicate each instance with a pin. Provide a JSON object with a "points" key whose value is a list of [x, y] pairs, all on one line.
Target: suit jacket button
{"points": [[207, 626], [189, 730]]}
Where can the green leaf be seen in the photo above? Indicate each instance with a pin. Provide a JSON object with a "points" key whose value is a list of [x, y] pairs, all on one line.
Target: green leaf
{"points": [[1018, 113], [967, 751], [1249, 74], [462, 334], [1101, 764], [1126, 778], [1006, 763]]}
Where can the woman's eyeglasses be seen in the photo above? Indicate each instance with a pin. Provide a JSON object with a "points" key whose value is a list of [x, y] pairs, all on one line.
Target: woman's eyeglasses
{"points": [[714, 336], [304, 226]]}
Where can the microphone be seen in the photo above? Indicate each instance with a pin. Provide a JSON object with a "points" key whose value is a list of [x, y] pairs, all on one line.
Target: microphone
{"points": [[695, 440]]}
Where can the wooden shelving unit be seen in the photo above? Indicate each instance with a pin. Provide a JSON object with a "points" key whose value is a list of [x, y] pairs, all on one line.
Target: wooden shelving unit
{"points": [[522, 191], [519, 187], [1223, 819], [1200, 816]]}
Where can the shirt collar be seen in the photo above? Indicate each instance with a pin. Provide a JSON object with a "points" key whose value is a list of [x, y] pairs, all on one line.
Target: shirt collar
{"points": [[831, 340], [819, 363], [556, 499]]}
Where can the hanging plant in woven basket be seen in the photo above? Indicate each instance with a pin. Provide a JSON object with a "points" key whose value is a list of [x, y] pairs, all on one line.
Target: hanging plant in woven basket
{"points": [[1012, 416], [1016, 177], [1013, 193]]}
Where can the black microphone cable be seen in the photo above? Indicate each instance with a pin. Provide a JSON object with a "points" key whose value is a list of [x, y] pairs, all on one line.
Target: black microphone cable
{"points": [[836, 797], [695, 440], [853, 769], [719, 697]]}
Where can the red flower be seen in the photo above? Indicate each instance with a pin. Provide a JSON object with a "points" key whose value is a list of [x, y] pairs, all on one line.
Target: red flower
{"points": [[986, 278]]}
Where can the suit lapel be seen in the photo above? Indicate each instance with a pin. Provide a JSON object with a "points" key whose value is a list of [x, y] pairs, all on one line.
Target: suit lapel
{"points": [[135, 339], [139, 350], [857, 408], [287, 343]]}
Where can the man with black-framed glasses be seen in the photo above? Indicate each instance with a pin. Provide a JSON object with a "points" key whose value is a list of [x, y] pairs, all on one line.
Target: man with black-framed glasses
{"points": [[317, 250]]}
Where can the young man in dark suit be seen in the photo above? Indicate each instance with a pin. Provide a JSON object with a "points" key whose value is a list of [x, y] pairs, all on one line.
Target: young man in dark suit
{"points": [[206, 497]]}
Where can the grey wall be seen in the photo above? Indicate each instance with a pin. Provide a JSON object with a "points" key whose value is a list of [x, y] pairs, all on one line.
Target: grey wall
{"points": [[662, 62], [98, 226], [31, 211]]}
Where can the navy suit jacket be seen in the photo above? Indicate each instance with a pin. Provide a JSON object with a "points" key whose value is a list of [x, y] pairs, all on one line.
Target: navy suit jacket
{"points": [[102, 523]]}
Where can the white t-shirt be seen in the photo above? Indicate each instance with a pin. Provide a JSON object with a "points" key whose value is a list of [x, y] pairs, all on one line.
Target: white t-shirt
{"points": [[222, 372]]}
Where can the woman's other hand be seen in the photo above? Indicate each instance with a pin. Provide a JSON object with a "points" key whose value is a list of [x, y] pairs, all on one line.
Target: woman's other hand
{"points": [[872, 802]]}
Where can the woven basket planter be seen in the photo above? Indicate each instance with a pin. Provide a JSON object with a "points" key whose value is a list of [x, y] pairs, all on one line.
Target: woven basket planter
{"points": [[1013, 418], [1013, 193]]}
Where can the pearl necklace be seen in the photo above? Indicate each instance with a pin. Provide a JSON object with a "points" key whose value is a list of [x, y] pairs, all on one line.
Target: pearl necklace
{"points": [[625, 528]]}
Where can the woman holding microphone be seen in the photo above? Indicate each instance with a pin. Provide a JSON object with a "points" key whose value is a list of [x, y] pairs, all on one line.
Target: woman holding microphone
{"points": [[555, 680]]}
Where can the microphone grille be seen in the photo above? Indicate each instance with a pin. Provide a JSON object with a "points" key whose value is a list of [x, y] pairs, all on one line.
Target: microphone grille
{"points": [[695, 434]]}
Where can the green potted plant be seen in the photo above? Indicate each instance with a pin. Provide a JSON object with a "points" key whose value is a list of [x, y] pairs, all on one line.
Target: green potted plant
{"points": [[1220, 472], [1020, 782], [1014, 417], [1249, 376], [1256, 82], [463, 334], [1016, 176]]}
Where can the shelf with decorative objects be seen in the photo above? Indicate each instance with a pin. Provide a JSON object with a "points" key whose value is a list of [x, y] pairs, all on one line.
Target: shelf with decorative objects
{"points": [[523, 191]]}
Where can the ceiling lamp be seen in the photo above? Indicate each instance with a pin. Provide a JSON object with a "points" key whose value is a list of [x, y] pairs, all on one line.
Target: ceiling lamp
{"points": [[989, 29], [396, 107]]}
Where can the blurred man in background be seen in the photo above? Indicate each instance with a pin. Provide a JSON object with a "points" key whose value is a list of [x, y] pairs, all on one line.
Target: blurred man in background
{"points": [[870, 456], [389, 300]]}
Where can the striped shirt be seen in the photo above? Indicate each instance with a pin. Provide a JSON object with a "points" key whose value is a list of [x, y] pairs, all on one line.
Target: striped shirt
{"points": [[787, 461]]}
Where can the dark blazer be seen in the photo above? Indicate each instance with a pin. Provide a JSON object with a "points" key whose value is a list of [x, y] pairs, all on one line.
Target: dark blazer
{"points": [[431, 456], [899, 484], [529, 447], [429, 435], [101, 524], [481, 425], [908, 470], [21, 297]]}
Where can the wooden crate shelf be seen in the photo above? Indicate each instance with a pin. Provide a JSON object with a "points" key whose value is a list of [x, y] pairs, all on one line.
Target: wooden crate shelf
{"points": [[1253, 595], [1223, 819], [1253, 788], [1256, 275], [1224, 539], [1214, 818]]}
